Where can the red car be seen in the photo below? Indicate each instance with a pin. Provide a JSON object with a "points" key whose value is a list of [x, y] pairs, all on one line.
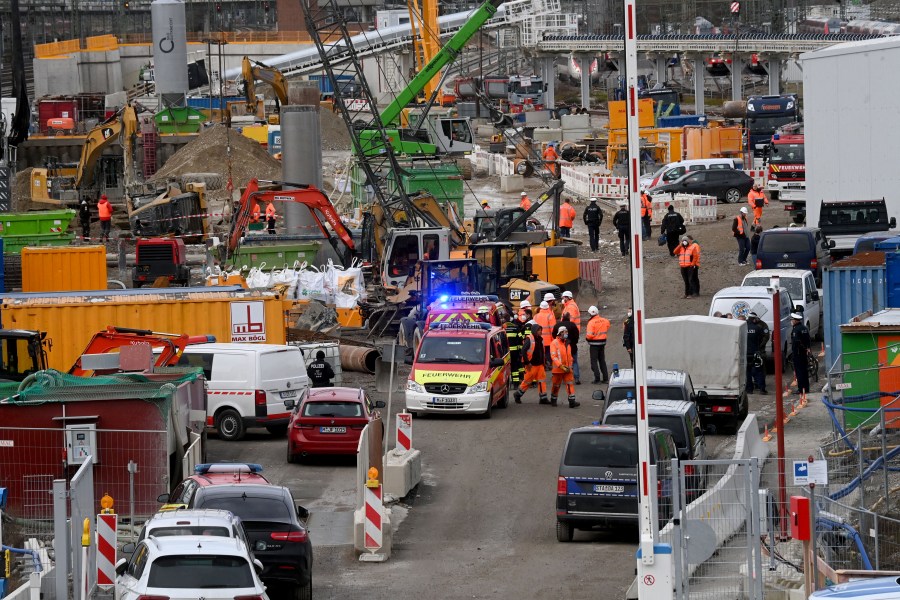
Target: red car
{"points": [[328, 421], [211, 474]]}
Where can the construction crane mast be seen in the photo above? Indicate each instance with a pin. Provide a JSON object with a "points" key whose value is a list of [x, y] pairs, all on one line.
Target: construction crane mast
{"points": [[423, 18]]}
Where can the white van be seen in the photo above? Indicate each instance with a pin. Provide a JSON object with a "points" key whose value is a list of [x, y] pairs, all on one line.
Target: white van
{"points": [[248, 384], [802, 286], [673, 171], [739, 301]]}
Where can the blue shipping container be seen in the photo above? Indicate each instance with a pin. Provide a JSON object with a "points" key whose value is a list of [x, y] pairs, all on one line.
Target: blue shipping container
{"points": [[210, 103], [274, 146], [681, 121], [325, 86], [892, 279], [849, 290]]}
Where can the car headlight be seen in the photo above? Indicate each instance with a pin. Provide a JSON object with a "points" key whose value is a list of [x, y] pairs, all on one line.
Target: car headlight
{"points": [[477, 388], [412, 386]]}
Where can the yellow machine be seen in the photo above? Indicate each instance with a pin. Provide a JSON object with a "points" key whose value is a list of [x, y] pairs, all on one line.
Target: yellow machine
{"points": [[253, 71], [423, 18]]}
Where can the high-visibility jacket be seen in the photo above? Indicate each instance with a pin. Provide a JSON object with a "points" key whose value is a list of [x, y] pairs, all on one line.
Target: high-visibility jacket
{"points": [[513, 336], [270, 211], [597, 329], [550, 154], [560, 355], [737, 226], [566, 215], [255, 214], [574, 312], [753, 195], [525, 203], [104, 209], [646, 206], [688, 256], [547, 321]]}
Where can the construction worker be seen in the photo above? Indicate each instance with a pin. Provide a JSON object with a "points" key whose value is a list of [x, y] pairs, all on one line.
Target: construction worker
{"points": [[800, 344], [485, 205], [573, 338], [597, 331], [628, 334], [739, 231], [514, 334], [569, 306], [551, 159], [320, 372], [104, 209], [525, 202], [561, 372], [593, 218], [84, 215], [567, 216], [270, 217], [255, 213], [556, 308], [757, 200], [622, 223], [547, 320], [646, 214], [689, 261], [533, 357], [523, 306], [672, 226]]}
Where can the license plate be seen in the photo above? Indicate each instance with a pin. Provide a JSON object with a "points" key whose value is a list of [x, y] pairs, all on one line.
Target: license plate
{"points": [[785, 265], [332, 430], [289, 394], [444, 399], [609, 489]]}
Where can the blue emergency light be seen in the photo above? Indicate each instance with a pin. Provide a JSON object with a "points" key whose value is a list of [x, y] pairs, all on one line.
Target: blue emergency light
{"points": [[615, 369], [3, 495], [227, 467]]}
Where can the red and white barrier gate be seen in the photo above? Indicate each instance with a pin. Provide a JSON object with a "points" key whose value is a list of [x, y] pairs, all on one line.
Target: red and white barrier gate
{"points": [[404, 432], [374, 518], [106, 550]]}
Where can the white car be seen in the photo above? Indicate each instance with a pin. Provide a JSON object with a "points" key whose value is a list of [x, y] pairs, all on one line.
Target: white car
{"points": [[880, 588], [801, 284], [191, 521], [190, 567]]}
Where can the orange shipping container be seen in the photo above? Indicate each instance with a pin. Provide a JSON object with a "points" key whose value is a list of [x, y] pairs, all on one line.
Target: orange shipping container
{"points": [[617, 119], [63, 268]]}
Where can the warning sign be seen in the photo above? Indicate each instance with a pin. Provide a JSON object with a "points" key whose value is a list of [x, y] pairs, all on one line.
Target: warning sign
{"points": [[248, 322]]}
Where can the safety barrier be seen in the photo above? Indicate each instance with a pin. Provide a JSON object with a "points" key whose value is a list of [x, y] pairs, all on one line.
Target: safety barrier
{"points": [[589, 271]]}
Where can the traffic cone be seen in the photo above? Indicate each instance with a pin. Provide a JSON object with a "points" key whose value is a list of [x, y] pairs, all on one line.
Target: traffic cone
{"points": [[793, 412], [767, 437]]}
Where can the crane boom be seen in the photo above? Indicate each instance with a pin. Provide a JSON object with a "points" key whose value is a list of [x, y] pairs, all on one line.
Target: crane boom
{"points": [[101, 137], [251, 71]]}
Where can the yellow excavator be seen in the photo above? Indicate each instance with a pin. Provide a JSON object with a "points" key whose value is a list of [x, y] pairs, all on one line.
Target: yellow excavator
{"points": [[253, 71]]}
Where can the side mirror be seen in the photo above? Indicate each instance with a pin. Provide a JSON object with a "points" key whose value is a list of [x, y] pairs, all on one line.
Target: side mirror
{"points": [[162, 498], [702, 394], [121, 565], [380, 404], [258, 566], [408, 359], [831, 243], [598, 395], [302, 513], [814, 295], [496, 362], [893, 223], [684, 454], [684, 184], [698, 431], [290, 404], [128, 548]]}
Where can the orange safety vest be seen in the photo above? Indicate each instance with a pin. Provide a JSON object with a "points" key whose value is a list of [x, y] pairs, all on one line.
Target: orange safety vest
{"points": [[688, 256], [560, 355], [740, 224], [550, 154], [547, 321], [255, 215], [646, 206], [525, 203], [566, 215], [104, 209], [270, 211], [597, 328], [574, 313], [530, 351]]}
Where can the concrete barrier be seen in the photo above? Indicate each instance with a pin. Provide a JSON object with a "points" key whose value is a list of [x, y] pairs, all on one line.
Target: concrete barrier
{"points": [[402, 472]]}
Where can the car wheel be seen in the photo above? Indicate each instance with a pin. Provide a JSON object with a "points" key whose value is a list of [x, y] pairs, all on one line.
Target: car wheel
{"points": [[304, 592], [230, 425], [277, 430], [733, 196], [564, 532], [504, 402]]}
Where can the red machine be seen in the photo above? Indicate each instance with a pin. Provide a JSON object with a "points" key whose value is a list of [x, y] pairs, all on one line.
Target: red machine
{"points": [[172, 345]]}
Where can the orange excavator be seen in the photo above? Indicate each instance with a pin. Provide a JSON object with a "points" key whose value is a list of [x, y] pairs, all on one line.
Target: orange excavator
{"points": [[309, 196], [170, 347]]}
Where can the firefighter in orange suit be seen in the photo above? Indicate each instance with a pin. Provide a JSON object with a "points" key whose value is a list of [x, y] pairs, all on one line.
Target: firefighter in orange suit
{"points": [[561, 359], [533, 357]]}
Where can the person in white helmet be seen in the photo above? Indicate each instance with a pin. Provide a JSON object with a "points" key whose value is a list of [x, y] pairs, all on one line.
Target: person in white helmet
{"points": [[597, 331], [484, 314], [547, 320], [533, 359], [739, 229], [525, 202], [561, 372], [551, 300]]}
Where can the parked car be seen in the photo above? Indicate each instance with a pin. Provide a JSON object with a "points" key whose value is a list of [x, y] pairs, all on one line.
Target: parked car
{"points": [[678, 416], [248, 384], [878, 588], [328, 421], [662, 384], [727, 185], [275, 526], [181, 522], [672, 171], [740, 300], [802, 287], [190, 567], [794, 248], [211, 474], [598, 483]]}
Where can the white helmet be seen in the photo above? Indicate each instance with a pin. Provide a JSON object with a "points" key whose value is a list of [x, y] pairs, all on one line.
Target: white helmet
{"points": [[524, 193], [567, 294], [592, 310], [548, 297], [525, 304], [545, 306], [561, 330]]}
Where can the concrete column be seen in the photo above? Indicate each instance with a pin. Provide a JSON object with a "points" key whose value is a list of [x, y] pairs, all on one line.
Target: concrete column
{"points": [[548, 68], [737, 83], [659, 63], [301, 161], [699, 85], [774, 69], [584, 61]]}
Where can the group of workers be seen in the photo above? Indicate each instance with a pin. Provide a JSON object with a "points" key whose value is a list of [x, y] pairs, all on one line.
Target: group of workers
{"points": [[104, 212], [271, 216]]}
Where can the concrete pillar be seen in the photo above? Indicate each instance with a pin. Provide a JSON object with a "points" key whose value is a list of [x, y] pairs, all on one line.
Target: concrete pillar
{"points": [[737, 83], [301, 161], [659, 63], [584, 61], [699, 85], [774, 69], [548, 68]]}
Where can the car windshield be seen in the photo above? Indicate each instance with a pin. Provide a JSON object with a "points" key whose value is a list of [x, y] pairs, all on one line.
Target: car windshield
{"points": [[590, 449], [200, 572], [785, 242], [794, 285], [787, 153], [332, 409], [763, 124], [190, 530], [655, 392], [673, 423], [249, 508], [867, 216], [445, 349]]}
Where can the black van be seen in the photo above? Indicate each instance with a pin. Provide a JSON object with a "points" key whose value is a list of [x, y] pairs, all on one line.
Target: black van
{"points": [[794, 248], [598, 483]]}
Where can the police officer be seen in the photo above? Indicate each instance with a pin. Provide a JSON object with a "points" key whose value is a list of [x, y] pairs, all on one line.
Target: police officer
{"points": [[622, 223], [84, 215], [320, 372], [514, 333], [757, 338], [800, 344], [593, 218]]}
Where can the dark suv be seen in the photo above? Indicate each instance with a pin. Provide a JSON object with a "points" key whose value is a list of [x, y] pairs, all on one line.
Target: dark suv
{"points": [[727, 185], [275, 528], [794, 248], [598, 482]]}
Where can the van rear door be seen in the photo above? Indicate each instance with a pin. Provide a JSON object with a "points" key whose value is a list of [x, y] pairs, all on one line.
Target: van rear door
{"points": [[600, 469], [282, 374]]}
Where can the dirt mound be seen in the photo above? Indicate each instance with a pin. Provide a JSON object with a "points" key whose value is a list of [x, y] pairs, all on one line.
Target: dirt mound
{"points": [[334, 132]]}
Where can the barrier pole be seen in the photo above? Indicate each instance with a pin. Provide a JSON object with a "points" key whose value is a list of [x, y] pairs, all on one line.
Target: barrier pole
{"points": [[779, 405], [85, 544]]}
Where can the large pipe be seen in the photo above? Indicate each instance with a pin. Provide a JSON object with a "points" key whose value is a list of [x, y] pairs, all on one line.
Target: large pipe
{"points": [[358, 358], [301, 160]]}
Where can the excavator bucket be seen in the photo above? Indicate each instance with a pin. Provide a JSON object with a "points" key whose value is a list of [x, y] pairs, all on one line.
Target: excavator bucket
{"points": [[40, 187]]}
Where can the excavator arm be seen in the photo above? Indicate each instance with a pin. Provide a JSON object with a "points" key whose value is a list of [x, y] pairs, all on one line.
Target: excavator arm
{"points": [[113, 338], [101, 137], [309, 196], [253, 71], [552, 193]]}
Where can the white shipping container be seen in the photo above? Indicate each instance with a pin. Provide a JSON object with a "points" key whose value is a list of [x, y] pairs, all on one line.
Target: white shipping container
{"points": [[852, 123]]}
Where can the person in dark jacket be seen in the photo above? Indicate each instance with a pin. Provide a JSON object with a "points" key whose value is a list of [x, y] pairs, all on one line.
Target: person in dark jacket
{"points": [[573, 332], [593, 218], [672, 226], [800, 344], [622, 223], [628, 335], [757, 338], [84, 215], [754, 244], [320, 372]]}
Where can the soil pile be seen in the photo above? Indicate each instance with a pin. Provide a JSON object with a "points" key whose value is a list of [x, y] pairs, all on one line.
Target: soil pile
{"points": [[334, 132]]}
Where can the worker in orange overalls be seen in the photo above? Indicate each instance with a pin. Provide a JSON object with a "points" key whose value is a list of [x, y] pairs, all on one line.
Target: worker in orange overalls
{"points": [[757, 200], [533, 359], [597, 331], [270, 217], [525, 202], [547, 320], [561, 358], [254, 215], [570, 307], [551, 159], [646, 214], [566, 218]]}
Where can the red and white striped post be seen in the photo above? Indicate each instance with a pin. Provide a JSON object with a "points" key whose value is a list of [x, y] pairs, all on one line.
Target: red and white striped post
{"points": [[373, 526], [107, 524], [404, 432]]}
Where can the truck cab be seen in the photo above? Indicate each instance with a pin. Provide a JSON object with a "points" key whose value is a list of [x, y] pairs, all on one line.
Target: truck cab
{"points": [[404, 247], [24, 352], [160, 257], [844, 222], [786, 169]]}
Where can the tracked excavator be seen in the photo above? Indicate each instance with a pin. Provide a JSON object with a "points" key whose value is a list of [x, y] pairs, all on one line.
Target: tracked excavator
{"points": [[253, 71]]}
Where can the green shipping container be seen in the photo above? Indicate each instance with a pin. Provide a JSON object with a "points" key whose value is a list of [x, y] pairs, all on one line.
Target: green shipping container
{"points": [[13, 244], [39, 222], [441, 180], [181, 119], [870, 362], [275, 256]]}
